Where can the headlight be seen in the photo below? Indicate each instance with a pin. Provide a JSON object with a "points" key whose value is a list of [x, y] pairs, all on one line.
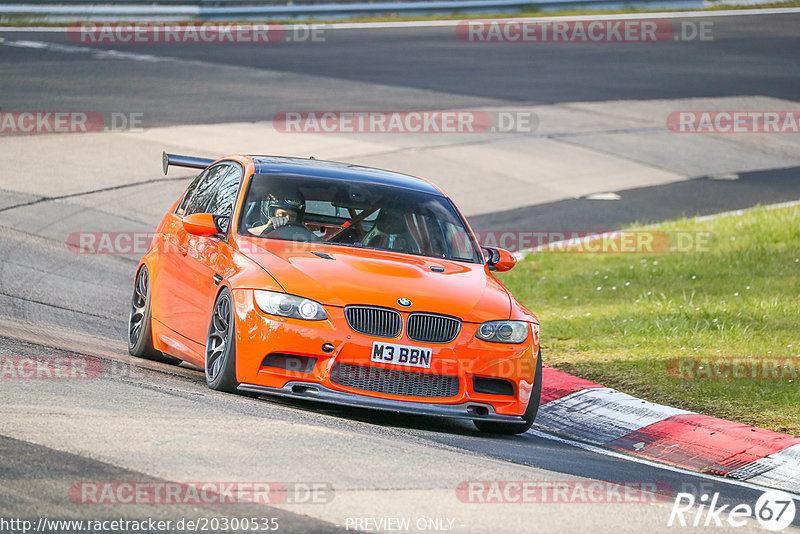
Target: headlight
{"points": [[285, 305], [504, 331]]}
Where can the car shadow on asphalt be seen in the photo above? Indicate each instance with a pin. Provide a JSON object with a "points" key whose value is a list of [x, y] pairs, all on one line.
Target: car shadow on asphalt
{"points": [[382, 418]]}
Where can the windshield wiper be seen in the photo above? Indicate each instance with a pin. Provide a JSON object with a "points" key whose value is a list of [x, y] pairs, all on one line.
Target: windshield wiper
{"points": [[356, 244]]}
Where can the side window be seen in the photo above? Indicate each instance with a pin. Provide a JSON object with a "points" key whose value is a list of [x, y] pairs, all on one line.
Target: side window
{"points": [[225, 196], [457, 242], [202, 189], [188, 194]]}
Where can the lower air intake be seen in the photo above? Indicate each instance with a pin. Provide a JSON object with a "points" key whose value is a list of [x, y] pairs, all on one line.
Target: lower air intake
{"points": [[393, 381]]}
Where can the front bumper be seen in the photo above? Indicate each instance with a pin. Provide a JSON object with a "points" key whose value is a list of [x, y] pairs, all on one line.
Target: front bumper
{"points": [[467, 357], [317, 392]]}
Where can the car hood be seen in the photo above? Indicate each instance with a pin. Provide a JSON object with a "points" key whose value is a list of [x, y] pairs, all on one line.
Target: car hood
{"points": [[380, 278]]}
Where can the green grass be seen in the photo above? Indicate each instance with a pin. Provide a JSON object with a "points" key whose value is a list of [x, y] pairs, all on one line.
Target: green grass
{"points": [[617, 318], [532, 11]]}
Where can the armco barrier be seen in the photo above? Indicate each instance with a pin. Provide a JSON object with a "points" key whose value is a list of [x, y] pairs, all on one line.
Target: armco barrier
{"points": [[218, 10]]}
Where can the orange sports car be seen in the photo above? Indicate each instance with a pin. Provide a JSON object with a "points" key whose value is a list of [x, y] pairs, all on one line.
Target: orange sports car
{"points": [[338, 283]]}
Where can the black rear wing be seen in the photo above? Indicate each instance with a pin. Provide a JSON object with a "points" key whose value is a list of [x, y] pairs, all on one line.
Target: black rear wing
{"points": [[191, 162]]}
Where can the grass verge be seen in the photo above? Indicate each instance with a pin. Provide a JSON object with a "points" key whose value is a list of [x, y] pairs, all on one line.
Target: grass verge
{"points": [[618, 318]]}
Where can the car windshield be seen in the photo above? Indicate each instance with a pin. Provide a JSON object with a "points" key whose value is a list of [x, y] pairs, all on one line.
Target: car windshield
{"points": [[360, 215]]}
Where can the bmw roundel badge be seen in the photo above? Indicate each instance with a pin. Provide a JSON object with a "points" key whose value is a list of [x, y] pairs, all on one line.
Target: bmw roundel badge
{"points": [[404, 302]]}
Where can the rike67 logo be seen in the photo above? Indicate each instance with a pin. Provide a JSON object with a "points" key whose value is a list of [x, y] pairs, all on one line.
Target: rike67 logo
{"points": [[775, 510]]}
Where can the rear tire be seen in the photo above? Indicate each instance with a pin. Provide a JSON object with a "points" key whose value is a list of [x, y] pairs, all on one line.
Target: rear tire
{"points": [[493, 427], [140, 331]]}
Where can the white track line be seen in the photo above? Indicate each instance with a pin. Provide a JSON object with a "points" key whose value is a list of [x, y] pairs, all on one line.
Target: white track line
{"points": [[96, 53], [454, 22], [736, 213], [651, 463]]}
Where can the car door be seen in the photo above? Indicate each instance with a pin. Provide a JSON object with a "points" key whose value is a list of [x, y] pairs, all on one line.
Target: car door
{"points": [[208, 258], [178, 278]]}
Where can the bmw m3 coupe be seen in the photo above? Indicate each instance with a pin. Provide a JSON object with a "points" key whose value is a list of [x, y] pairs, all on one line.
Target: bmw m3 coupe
{"points": [[338, 283]]}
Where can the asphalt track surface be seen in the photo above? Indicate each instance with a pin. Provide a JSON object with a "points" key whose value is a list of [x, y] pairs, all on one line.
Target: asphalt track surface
{"points": [[749, 55], [149, 422], [646, 205]]}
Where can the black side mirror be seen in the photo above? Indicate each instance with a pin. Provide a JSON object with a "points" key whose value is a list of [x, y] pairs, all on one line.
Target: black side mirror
{"points": [[492, 256], [222, 222]]}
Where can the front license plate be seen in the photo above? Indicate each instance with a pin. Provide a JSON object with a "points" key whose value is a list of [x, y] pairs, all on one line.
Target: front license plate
{"points": [[401, 355]]}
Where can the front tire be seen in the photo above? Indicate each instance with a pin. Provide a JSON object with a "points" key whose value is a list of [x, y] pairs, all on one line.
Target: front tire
{"points": [[493, 427], [220, 367], [140, 331]]}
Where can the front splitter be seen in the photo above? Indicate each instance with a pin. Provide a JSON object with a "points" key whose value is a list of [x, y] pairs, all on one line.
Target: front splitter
{"points": [[312, 391]]}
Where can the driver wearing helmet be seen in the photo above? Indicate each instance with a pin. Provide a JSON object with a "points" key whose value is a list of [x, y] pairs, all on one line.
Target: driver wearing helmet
{"points": [[284, 213]]}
